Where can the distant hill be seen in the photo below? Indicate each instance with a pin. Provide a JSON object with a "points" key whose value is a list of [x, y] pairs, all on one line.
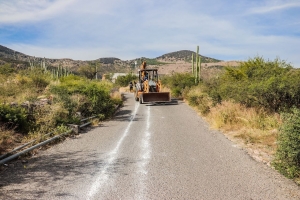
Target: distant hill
{"points": [[185, 55], [108, 64], [11, 56]]}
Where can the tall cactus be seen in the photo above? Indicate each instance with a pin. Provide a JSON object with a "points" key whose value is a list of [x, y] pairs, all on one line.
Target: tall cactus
{"points": [[57, 72], [196, 71], [197, 65], [30, 64], [44, 65], [199, 79], [96, 72], [193, 67], [65, 71]]}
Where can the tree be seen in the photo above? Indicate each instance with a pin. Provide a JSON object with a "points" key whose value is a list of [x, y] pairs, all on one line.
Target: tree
{"points": [[88, 71]]}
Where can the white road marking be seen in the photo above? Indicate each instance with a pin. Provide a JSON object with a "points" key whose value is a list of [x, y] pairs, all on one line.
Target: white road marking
{"points": [[145, 156], [102, 175], [145, 145]]}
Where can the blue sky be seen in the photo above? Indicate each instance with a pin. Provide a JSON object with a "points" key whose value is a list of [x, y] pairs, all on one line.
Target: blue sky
{"points": [[129, 29]]}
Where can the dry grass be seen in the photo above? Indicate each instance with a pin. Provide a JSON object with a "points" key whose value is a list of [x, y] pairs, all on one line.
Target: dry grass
{"points": [[253, 129], [122, 89], [8, 140], [95, 122], [117, 95], [17, 89]]}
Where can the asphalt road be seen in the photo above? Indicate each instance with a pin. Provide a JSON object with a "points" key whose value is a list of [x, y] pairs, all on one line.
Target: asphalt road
{"points": [[146, 152]]}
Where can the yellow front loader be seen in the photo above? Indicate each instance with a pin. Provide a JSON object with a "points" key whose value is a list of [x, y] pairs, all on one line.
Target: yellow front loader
{"points": [[148, 88]]}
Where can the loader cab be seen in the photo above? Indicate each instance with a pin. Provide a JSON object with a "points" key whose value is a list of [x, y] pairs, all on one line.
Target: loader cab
{"points": [[148, 74]]}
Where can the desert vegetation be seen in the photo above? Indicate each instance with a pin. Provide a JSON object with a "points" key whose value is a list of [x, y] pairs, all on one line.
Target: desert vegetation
{"points": [[33, 102], [123, 81], [256, 103]]}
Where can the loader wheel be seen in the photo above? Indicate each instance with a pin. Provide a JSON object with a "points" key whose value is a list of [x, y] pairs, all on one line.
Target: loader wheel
{"points": [[141, 99]]}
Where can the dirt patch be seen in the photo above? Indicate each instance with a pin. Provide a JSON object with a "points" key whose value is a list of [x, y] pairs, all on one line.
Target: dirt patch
{"points": [[259, 153]]}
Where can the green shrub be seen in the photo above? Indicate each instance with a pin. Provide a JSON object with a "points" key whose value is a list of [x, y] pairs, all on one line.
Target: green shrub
{"points": [[6, 69], [176, 92], [211, 87], [200, 100], [14, 117], [47, 117], [273, 85], [123, 81], [40, 80], [36, 78], [88, 71], [89, 97], [178, 82], [287, 159]]}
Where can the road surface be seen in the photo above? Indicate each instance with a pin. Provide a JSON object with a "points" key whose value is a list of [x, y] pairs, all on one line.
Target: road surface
{"points": [[146, 152]]}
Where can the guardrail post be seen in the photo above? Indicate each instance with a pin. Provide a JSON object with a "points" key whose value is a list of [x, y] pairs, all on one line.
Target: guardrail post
{"points": [[75, 128]]}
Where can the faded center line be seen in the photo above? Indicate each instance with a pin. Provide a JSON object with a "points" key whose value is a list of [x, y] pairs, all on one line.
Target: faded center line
{"points": [[102, 176], [145, 156]]}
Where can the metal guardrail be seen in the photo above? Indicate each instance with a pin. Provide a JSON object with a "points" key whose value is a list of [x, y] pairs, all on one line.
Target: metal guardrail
{"points": [[86, 120], [33, 147], [5, 160], [22, 146]]}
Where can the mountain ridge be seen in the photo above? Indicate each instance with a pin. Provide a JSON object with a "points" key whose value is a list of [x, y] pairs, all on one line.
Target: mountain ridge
{"points": [[177, 61], [8, 53]]}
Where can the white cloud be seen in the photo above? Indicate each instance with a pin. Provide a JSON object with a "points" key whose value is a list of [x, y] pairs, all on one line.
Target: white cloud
{"points": [[272, 8], [78, 53], [15, 11], [128, 29]]}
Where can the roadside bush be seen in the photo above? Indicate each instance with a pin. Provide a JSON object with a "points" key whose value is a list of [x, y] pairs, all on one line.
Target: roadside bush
{"points": [[89, 97], [14, 118], [35, 78], [7, 69], [47, 117], [287, 159], [273, 85], [211, 87], [40, 79], [200, 100], [178, 82], [26, 85], [123, 81]]}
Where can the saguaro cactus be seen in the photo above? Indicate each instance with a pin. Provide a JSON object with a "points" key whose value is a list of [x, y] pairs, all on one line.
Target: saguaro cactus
{"points": [[193, 67], [196, 71], [199, 77], [197, 65]]}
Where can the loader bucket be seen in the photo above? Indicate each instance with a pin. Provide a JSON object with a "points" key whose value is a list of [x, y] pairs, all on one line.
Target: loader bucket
{"points": [[156, 97]]}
